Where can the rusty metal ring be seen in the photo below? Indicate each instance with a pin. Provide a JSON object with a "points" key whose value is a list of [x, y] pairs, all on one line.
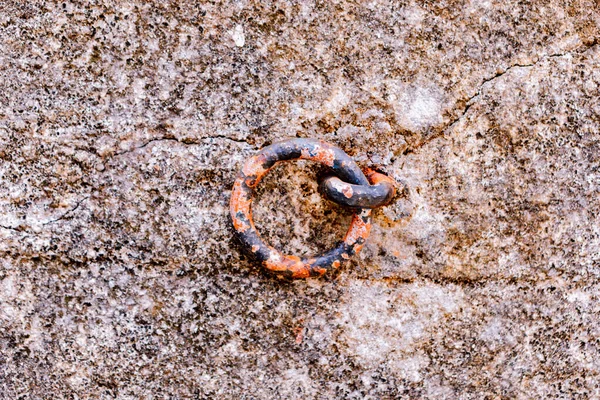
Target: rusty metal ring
{"points": [[257, 167], [379, 193]]}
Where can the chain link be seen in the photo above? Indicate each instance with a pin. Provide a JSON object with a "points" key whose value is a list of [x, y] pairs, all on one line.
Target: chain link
{"points": [[348, 186]]}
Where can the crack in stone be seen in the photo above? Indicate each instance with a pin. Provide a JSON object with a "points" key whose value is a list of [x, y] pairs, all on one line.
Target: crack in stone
{"points": [[10, 228], [94, 189], [231, 139], [471, 100], [29, 230], [160, 139], [65, 214], [184, 142], [446, 280], [465, 282]]}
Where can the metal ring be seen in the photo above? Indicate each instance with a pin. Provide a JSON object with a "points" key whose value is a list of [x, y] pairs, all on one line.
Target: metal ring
{"points": [[257, 167], [378, 194]]}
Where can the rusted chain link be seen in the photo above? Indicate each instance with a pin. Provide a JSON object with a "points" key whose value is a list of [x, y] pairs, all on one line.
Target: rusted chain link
{"points": [[378, 194], [363, 197]]}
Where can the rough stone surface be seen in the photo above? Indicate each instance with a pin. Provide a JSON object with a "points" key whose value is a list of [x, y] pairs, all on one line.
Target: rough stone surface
{"points": [[123, 124]]}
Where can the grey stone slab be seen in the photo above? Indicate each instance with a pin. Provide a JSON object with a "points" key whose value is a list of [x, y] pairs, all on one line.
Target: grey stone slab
{"points": [[123, 125]]}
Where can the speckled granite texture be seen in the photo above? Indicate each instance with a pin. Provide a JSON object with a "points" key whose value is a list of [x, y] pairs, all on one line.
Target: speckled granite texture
{"points": [[123, 124]]}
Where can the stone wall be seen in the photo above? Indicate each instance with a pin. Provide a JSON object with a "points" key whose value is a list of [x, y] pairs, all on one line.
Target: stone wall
{"points": [[123, 125]]}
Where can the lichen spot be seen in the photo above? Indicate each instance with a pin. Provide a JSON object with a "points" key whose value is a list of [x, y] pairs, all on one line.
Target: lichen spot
{"points": [[336, 264], [255, 248], [345, 256], [341, 187]]}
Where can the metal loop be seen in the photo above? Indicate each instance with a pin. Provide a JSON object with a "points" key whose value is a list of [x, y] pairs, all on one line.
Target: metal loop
{"points": [[378, 194], [257, 167]]}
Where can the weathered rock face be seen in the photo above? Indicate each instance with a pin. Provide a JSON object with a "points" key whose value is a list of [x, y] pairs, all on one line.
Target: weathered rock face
{"points": [[123, 125]]}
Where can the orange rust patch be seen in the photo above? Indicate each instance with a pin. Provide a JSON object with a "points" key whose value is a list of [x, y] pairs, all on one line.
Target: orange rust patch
{"points": [[280, 263], [320, 271], [375, 177], [358, 229], [240, 202], [255, 167], [322, 155], [240, 225], [347, 191], [336, 264], [304, 273]]}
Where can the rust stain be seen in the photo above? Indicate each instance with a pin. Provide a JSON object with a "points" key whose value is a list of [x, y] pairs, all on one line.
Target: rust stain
{"points": [[375, 177], [319, 270], [240, 225], [254, 170], [280, 263], [240, 202], [322, 155], [347, 191], [358, 230], [358, 248], [241, 207]]}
